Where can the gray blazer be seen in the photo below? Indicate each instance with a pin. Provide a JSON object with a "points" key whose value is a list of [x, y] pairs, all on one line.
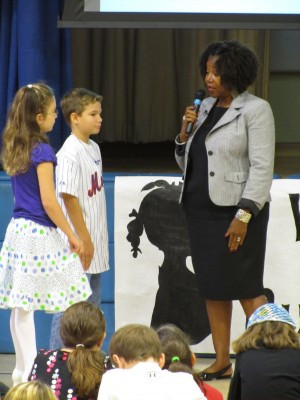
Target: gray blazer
{"points": [[240, 151]]}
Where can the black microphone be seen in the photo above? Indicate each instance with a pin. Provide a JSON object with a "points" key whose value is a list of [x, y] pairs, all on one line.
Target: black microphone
{"points": [[199, 96]]}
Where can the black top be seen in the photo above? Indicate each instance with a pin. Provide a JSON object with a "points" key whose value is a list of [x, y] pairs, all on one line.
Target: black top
{"points": [[196, 187], [266, 374], [50, 367]]}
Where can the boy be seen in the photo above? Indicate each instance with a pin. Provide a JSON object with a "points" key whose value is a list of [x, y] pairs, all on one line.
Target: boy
{"points": [[136, 351], [79, 187]]}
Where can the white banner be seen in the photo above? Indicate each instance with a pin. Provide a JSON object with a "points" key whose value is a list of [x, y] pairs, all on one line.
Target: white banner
{"points": [[154, 281]]}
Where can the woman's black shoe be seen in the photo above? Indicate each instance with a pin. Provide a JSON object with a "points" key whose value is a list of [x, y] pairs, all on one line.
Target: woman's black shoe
{"points": [[209, 376]]}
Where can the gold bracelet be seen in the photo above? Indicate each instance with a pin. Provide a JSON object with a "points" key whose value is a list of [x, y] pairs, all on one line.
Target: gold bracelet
{"points": [[178, 141], [243, 215]]}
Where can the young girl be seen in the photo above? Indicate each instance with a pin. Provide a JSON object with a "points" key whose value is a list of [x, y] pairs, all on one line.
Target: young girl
{"points": [[180, 358], [268, 357], [37, 271], [76, 370], [30, 391]]}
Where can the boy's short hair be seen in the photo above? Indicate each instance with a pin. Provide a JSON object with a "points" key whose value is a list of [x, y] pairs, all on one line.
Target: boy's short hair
{"points": [[76, 100], [135, 342]]}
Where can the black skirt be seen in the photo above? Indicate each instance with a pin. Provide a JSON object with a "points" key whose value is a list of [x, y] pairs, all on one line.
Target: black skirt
{"points": [[222, 275]]}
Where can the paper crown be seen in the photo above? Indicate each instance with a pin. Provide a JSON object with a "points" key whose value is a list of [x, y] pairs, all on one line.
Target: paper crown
{"points": [[270, 312]]}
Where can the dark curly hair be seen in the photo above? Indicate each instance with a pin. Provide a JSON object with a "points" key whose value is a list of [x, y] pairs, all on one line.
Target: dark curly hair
{"points": [[236, 64]]}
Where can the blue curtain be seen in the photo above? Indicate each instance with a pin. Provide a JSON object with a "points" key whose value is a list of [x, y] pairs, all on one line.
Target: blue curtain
{"points": [[33, 49]]}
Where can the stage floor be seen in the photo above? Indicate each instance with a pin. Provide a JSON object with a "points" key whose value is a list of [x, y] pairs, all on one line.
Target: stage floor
{"points": [[7, 362]]}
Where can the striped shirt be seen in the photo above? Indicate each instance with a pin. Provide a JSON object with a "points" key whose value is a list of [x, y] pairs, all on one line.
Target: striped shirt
{"points": [[79, 174]]}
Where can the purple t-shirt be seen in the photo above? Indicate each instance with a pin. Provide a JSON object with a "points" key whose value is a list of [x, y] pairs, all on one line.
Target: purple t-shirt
{"points": [[28, 203]]}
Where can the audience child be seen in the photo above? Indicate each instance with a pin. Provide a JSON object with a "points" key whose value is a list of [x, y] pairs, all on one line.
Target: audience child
{"points": [[75, 371], [180, 358], [38, 271], [268, 357], [30, 391], [136, 351], [80, 191]]}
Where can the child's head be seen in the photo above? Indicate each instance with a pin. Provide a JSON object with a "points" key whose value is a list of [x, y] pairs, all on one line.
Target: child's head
{"points": [[82, 328], [175, 346], [82, 323], [76, 101], [270, 326], [34, 390], [31, 115], [134, 343], [29, 102]]}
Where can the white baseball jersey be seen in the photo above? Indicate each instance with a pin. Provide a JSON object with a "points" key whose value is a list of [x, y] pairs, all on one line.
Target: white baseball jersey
{"points": [[79, 174]]}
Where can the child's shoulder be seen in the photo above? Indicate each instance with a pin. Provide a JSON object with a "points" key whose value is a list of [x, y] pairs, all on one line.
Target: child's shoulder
{"points": [[42, 147], [43, 353], [70, 149], [42, 152]]}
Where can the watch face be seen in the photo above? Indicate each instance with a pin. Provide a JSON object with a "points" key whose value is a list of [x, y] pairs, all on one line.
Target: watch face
{"points": [[243, 216]]}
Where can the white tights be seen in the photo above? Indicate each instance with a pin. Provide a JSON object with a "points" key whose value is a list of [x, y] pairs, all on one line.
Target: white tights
{"points": [[23, 334]]}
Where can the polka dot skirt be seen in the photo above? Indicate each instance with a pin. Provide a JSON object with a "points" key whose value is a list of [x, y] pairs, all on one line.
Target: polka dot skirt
{"points": [[38, 271]]}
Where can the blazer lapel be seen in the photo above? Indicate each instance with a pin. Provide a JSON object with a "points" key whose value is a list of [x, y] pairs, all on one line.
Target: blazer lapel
{"points": [[233, 111]]}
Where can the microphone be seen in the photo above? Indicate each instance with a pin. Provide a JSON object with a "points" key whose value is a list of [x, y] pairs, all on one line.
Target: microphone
{"points": [[199, 96]]}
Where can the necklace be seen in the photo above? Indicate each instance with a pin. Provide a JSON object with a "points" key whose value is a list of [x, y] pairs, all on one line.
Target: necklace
{"points": [[88, 147]]}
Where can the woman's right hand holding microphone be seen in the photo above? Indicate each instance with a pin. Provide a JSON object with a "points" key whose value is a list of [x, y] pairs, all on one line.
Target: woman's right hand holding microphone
{"points": [[189, 116]]}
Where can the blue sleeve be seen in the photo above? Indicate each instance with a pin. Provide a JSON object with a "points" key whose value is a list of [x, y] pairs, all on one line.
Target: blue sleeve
{"points": [[43, 152]]}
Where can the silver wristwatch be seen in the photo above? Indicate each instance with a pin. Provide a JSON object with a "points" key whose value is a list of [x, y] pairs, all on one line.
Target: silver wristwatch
{"points": [[243, 215]]}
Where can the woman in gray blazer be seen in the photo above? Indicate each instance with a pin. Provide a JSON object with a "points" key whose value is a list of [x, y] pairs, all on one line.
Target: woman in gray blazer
{"points": [[227, 162]]}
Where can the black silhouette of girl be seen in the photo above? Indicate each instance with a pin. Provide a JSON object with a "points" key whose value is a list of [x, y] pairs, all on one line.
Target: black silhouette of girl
{"points": [[177, 300]]}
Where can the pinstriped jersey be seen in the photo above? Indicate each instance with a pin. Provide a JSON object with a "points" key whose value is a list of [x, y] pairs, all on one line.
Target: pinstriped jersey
{"points": [[79, 174]]}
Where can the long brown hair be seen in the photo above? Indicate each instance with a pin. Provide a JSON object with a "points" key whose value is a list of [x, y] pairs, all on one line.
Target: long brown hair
{"points": [[84, 324], [271, 334], [22, 131]]}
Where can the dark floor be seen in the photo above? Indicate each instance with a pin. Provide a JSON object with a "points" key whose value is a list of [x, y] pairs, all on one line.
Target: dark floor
{"points": [[159, 157]]}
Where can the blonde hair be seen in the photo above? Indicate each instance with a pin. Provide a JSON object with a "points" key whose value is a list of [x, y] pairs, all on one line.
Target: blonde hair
{"points": [[271, 334], [135, 342], [76, 100], [22, 132], [34, 390], [83, 323]]}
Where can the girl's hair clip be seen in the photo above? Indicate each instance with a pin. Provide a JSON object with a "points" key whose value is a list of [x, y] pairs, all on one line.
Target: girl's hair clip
{"points": [[29, 86], [175, 358]]}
